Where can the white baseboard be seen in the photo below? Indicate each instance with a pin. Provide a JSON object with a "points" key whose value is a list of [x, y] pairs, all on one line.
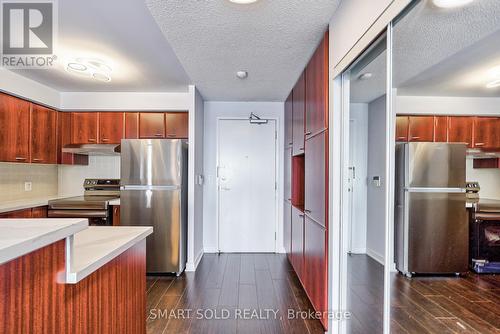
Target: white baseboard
{"points": [[358, 251], [191, 267], [281, 250], [376, 256], [211, 249]]}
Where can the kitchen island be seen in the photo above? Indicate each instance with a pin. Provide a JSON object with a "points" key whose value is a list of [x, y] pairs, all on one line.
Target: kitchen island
{"points": [[62, 276]]}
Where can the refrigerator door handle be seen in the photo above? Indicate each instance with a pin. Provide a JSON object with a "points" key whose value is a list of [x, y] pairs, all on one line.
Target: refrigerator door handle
{"points": [[135, 187], [435, 190]]}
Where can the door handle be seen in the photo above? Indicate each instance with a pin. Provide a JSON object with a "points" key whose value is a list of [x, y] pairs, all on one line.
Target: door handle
{"points": [[307, 211]]}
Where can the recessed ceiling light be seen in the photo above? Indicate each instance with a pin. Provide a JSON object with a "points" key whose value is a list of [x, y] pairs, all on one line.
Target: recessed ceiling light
{"points": [[365, 76], [77, 67], [90, 68], [242, 74], [451, 3], [243, 2]]}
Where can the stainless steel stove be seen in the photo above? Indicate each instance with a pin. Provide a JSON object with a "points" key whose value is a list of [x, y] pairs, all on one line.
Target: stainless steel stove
{"points": [[94, 204]]}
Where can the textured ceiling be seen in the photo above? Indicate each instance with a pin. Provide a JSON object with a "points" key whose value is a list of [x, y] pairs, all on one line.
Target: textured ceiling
{"points": [[271, 39], [441, 52], [125, 36]]}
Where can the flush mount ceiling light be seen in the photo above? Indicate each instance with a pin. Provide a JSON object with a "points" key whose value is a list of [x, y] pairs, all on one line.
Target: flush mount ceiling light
{"points": [[243, 2], [451, 3], [494, 73], [242, 74], [90, 68], [365, 76]]}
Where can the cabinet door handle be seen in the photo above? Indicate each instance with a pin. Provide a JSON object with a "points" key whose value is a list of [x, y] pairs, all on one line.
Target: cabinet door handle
{"points": [[415, 137], [308, 133], [479, 144], [92, 140], [171, 135], [36, 159], [20, 158], [104, 139], [158, 135]]}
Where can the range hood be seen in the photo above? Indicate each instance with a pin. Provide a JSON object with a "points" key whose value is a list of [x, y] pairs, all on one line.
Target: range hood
{"points": [[477, 153], [93, 149]]}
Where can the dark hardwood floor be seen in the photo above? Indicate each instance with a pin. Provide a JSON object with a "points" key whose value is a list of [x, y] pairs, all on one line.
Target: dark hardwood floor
{"points": [[227, 285], [468, 304]]}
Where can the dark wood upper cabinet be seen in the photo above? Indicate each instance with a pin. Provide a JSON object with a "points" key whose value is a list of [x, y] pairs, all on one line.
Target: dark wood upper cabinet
{"points": [[110, 127], [84, 127], [43, 135], [317, 90], [289, 120], [402, 128], [486, 132], [131, 125], [298, 115], [316, 177], [14, 129], [441, 129], [421, 128], [151, 125], [177, 125], [460, 129], [64, 138]]}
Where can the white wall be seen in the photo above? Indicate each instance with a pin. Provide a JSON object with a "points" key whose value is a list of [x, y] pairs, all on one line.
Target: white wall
{"points": [[489, 180], [71, 177], [375, 242], [442, 105], [214, 110], [359, 115], [20, 86], [195, 190]]}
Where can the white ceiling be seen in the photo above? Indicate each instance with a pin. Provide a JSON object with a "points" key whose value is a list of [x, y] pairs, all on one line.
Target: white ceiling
{"points": [[125, 36], [440, 53], [271, 39]]}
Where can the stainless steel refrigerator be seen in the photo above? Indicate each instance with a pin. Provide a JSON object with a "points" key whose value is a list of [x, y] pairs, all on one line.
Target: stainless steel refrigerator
{"points": [[154, 193], [431, 221]]}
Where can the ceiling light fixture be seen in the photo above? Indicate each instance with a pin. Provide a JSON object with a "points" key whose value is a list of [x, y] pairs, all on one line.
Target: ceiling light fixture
{"points": [[242, 74], [91, 68], [451, 3], [494, 74], [493, 84], [243, 2]]}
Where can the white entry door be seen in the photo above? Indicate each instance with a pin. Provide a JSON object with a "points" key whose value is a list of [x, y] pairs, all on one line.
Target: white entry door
{"points": [[247, 186]]}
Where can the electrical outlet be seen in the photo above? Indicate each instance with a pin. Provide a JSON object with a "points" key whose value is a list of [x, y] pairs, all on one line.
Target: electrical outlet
{"points": [[28, 186]]}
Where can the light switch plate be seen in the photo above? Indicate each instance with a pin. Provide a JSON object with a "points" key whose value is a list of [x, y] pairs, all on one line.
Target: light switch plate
{"points": [[28, 186]]}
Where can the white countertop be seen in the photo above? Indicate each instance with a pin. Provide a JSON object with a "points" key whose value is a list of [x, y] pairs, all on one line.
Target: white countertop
{"points": [[19, 237], [97, 245], [115, 202], [6, 206]]}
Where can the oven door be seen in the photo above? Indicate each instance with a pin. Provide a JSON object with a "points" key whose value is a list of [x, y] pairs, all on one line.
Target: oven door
{"points": [[486, 239], [95, 217]]}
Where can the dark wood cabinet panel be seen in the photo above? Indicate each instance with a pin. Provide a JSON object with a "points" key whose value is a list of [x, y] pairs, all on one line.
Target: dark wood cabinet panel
{"points": [[131, 125], [84, 127], [287, 228], [26, 213], [151, 125], [289, 120], [402, 123], [288, 174], [297, 247], [298, 115], [315, 266], [460, 129], [110, 127], [441, 129], [39, 212], [116, 215], [486, 132], [43, 135], [317, 90], [177, 125], [421, 128], [64, 137], [316, 177], [14, 129]]}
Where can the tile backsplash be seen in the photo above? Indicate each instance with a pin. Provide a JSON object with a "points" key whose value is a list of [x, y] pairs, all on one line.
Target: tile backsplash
{"points": [[13, 176]]}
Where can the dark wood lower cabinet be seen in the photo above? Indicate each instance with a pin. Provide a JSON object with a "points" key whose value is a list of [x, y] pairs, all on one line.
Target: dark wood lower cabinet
{"points": [[297, 247], [315, 266], [25, 213], [39, 212], [287, 228], [315, 177], [116, 215]]}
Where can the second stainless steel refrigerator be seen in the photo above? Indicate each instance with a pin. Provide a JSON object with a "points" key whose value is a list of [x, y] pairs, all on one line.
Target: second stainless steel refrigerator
{"points": [[431, 221], [154, 193]]}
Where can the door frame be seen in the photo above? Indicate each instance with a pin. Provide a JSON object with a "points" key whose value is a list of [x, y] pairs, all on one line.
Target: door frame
{"points": [[278, 187], [343, 93]]}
